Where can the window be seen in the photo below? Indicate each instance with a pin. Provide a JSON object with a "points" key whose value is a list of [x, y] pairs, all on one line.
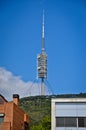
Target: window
{"points": [[66, 122], [85, 122], [1, 118], [26, 126], [81, 121], [70, 121], [59, 122]]}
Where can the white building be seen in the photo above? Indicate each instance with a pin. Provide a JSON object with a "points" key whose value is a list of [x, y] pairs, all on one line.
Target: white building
{"points": [[68, 114]]}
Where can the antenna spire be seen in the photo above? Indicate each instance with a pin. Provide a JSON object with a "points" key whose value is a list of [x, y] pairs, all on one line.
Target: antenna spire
{"points": [[43, 32]]}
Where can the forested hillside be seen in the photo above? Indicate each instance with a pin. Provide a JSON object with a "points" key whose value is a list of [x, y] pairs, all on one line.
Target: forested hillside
{"points": [[39, 109]]}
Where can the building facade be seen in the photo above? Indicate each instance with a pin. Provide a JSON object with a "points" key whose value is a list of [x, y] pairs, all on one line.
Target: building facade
{"points": [[68, 114], [12, 117]]}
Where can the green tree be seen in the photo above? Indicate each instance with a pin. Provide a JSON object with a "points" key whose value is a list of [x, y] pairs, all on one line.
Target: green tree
{"points": [[46, 123], [38, 127]]}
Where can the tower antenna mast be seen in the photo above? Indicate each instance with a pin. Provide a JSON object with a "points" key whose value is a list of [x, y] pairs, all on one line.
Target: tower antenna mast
{"points": [[43, 32], [42, 61]]}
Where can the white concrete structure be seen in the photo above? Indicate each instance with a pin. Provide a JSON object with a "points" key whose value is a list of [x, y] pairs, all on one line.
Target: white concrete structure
{"points": [[68, 114]]}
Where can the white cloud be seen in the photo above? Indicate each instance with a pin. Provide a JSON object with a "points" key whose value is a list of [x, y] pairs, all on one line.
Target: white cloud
{"points": [[10, 84]]}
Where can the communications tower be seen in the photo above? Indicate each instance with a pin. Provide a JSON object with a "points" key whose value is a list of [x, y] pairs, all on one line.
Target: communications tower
{"points": [[42, 61]]}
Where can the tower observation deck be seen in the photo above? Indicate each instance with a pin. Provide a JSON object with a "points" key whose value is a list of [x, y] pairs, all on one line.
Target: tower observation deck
{"points": [[42, 61]]}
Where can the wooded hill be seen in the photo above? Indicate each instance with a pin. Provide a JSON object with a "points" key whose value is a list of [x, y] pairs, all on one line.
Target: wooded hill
{"points": [[39, 107]]}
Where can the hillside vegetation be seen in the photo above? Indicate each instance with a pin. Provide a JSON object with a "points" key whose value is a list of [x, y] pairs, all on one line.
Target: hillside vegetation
{"points": [[39, 109]]}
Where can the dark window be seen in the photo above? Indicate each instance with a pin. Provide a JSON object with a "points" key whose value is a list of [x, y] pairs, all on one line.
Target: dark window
{"points": [[66, 122], [1, 119], [59, 122], [26, 126], [70, 122], [85, 122], [81, 121]]}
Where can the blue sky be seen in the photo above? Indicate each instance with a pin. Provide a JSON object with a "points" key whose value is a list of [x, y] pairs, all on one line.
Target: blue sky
{"points": [[65, 41]]}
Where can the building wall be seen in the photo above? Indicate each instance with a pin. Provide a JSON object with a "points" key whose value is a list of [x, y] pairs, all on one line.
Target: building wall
{"points": [[70, 109], [14, 117], [65, 111], [7, 110], [18, 118], [6, 126], [2, 106]]}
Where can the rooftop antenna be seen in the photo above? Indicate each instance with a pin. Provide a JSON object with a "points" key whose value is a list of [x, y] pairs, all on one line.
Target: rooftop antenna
{"points": [[42, 61]]}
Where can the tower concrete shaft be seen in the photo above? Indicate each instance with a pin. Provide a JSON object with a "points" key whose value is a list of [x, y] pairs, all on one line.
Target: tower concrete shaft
{"points": [[42, 87], [42, 61]]}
